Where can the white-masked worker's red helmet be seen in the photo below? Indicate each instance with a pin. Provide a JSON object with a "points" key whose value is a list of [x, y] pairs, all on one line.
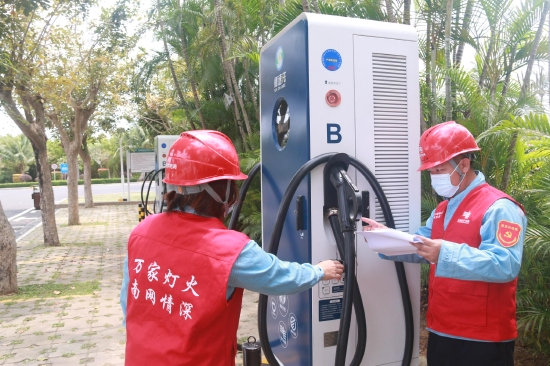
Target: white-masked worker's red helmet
{"points": [[443, 142]]}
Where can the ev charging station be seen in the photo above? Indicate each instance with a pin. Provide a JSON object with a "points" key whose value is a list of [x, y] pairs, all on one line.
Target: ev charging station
{"points": [[351, 86], [162, 145]]}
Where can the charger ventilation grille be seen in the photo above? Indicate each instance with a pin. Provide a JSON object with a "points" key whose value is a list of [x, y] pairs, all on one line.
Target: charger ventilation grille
{"points": [[391, 135]]}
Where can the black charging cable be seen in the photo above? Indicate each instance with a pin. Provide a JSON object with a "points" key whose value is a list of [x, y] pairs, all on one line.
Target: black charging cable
{"points": [[147, 212], [144, 203], [276, 236]]}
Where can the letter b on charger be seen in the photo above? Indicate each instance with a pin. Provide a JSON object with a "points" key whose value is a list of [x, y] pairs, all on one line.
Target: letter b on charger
{"points": [[333, 133]]}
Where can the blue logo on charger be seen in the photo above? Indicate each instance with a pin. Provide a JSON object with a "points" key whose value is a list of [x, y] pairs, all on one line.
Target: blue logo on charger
{"points": [[279, 58], [163, 145], [331, 60]]}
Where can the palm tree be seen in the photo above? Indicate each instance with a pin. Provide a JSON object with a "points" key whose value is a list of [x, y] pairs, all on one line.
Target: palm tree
{"points": [[170, 62], [17, 153], [530, 183], [448, 96], [524, 90]]}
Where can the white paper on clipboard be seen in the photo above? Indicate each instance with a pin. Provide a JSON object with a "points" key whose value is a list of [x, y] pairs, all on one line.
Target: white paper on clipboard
{"points": [[389, 241]]}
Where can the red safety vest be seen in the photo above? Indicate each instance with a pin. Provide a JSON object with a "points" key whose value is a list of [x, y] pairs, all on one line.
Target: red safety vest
{"points": [[470, 309], [177, 314]]}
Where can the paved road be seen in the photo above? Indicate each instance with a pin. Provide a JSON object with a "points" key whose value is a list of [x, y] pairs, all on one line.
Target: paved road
{"points": [[19, 206], [25, 221]]}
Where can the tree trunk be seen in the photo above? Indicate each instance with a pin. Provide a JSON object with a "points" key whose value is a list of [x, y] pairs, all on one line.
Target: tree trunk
{"points": [[251, 90], [72, 185], [170, 64], [305, 6], [33, 126], [226, 68], [47, 198], [486, 60], [524, 89], [464, 32], [509, 69], [389, 10], [87, 161], [238, 122], [71, 142], [533, 52], [190, 75], [315, 5], [407, 12], [448, 89], [8, 256], [434, 83], [428, 66], [239, 98]]}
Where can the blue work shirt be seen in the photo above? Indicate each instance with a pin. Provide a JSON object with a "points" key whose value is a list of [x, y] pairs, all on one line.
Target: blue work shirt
{"points": [[491, 262], [255, 270]]}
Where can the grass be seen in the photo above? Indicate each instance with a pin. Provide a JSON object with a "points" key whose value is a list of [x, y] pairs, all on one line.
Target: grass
{"points": [[88, 345], [52, 290], [7, 356]]}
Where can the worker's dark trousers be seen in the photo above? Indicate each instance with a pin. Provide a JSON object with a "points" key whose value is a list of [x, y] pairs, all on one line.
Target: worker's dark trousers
{"points": [[445, 351]]}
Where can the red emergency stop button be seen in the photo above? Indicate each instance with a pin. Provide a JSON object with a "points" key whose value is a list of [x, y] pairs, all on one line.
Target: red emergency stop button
{"points": [[333, 98]]}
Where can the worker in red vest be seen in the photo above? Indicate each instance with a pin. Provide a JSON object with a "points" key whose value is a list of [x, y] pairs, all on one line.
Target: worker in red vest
{"points": [[185, 271], [473, 241]]}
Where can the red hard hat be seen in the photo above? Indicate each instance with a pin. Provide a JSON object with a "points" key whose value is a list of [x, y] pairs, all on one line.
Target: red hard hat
{"points": [[443, 142], [202, 156]]}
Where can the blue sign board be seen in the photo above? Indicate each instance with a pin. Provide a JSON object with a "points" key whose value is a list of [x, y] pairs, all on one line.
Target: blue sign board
{"points": [[64, 168]]}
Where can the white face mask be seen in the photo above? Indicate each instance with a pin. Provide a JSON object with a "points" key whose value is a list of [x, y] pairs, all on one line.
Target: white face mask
{"points": [[441, 183]]}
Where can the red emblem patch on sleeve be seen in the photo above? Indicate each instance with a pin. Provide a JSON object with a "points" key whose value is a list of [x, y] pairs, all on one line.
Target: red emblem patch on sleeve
{"points": [[508, 233]]}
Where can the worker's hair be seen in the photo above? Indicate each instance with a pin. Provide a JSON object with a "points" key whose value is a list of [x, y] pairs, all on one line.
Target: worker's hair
{"points": [[202, 202]]}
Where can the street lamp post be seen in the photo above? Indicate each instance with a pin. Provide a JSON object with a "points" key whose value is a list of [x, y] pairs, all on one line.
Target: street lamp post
{"points": [[121, 168]]}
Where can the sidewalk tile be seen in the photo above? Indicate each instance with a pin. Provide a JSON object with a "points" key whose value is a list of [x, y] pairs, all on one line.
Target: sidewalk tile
{"points": [[77, 329]]}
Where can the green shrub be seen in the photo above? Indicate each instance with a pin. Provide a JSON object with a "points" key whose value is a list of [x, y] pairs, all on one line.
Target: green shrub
{"points": [[15, 178], [103, 173], [64, 183], [533, 296], [57, 176], [25, 178]]}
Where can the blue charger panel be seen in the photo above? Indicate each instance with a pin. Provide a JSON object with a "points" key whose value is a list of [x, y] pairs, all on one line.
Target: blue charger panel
{"points": [[285, 148]]}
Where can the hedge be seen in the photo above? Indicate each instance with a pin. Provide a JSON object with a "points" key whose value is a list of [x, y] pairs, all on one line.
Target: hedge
{"points": [[64, 183], [103, 173]]}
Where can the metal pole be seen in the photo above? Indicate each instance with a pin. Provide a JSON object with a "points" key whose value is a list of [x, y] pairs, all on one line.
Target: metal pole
{"points": [[121, 167], [128, 162]]}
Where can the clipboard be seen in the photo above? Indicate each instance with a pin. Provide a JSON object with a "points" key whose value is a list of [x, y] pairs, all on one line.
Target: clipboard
{"points": [[390, 241]]}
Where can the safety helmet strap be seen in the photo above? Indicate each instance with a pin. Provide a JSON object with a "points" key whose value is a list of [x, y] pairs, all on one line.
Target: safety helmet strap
{"points": [[455, 166], [186, 190]]}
